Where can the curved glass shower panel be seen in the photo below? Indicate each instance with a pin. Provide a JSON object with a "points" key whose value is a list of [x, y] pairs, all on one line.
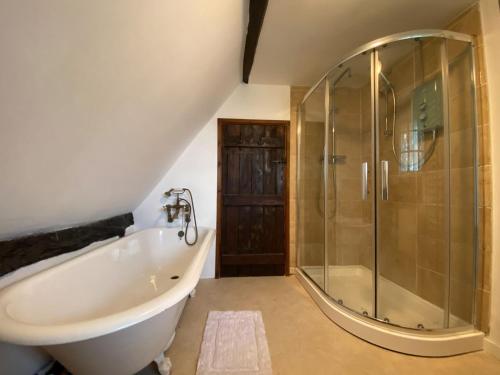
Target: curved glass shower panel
{"points": [[311, 186], [349, 222], [387, 182], [413, 174], [463, 169]]}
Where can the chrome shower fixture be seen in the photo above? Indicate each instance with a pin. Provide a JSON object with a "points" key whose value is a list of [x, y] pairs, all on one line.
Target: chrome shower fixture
{"points": [[182, 208], [425, 117], [389, 87], [173, 210]]}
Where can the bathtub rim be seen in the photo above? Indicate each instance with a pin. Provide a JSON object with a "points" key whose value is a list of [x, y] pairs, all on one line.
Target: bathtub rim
{"points": [[16, 332]]}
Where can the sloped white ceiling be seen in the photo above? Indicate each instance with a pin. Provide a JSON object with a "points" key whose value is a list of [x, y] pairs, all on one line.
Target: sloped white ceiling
{"points": [[301, 39], [99, 97]]}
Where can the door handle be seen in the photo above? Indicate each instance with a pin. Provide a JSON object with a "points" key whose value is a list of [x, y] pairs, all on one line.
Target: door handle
{"points": [[364, 180], [384, 170]]}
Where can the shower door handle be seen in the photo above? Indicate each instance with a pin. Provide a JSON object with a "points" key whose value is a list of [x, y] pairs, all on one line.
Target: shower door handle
{"points": [[384, 171], [364, 180]]}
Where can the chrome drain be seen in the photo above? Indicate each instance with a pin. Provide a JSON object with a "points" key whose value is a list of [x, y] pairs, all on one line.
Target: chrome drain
{"points": [[365, 313], [386, 320], [175, 277], [420, 326]]}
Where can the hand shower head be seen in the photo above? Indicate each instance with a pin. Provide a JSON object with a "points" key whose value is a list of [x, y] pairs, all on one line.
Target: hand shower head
{"points": [[174, 191]]}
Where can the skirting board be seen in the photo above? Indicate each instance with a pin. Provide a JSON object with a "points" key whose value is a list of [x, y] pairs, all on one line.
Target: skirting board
{"points": [[491, 347]]}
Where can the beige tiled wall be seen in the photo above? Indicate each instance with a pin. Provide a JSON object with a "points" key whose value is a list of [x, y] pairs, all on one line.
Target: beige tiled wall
{"points": [[346, 211], [413, 250], [296, 96], [412, 221], [412, 231], [312, 228], [470, 23], [349, 233]]}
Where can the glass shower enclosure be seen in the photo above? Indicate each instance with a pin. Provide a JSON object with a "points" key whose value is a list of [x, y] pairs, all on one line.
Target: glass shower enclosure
{"points": [[387, 182]]}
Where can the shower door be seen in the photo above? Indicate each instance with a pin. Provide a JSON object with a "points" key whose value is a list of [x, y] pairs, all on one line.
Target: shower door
{"points": [[349, 219], [413, 176], [310, 188], [425, 209]]}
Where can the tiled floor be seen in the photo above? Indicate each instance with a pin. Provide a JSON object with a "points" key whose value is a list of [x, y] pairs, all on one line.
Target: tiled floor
{"points": [[302, 340]]}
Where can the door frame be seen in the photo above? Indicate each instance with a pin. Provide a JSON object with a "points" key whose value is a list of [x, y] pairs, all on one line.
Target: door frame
{"points": [[221, 122]]}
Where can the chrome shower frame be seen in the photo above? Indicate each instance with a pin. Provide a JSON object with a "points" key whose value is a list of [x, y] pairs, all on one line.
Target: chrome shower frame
{"points": [[372, 49], [425, 33]]}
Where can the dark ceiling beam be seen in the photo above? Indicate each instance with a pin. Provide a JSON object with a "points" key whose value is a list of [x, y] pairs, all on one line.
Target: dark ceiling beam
{"points": [[257, 11]]}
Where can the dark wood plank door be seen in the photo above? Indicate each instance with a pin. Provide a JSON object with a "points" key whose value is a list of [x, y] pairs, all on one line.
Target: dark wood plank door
{"points": [[252, 198]]}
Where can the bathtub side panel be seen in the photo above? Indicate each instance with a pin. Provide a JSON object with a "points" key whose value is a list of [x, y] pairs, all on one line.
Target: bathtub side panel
{"points": [[17, 359], [208, 271], [123, 352]]}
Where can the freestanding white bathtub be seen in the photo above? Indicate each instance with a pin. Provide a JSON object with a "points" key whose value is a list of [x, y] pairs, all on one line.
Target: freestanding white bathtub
{"points": [[110, 311]]}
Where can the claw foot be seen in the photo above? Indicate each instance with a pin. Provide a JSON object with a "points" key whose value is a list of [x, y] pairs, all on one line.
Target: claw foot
{"points": [[164, 364]]}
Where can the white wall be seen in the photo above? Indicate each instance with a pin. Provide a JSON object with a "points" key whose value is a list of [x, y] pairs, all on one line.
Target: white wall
{"points": [[99, 97], [196, 168], [302, 39], [490, 14]]}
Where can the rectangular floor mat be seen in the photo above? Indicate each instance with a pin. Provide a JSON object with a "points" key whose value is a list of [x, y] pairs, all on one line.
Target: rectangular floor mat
{"points": [[234, 342]]}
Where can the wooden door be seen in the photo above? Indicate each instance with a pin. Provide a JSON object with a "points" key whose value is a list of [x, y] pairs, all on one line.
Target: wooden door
{"points": [[252, 220]]}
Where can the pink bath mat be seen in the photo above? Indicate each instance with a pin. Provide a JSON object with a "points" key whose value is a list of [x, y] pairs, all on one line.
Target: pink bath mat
{"points": [[234, 342]]}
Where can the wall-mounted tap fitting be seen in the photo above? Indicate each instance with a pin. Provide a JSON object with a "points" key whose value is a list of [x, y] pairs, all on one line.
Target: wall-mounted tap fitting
{"points": [[183, 208]]}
